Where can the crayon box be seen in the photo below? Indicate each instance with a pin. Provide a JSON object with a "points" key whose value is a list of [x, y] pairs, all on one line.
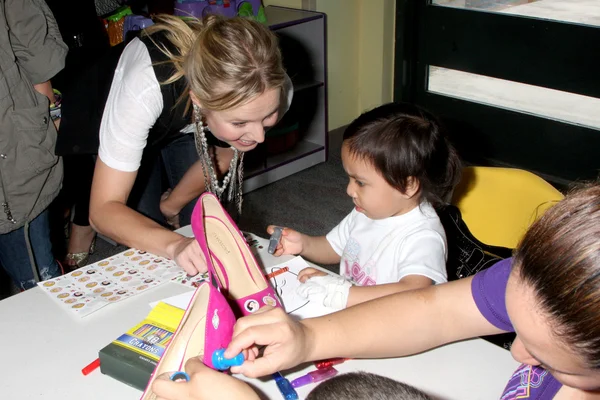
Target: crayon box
{"points": [[132, 357]]}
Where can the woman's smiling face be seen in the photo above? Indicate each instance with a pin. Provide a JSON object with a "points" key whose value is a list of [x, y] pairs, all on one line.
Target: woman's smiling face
{"points": [[243, 127]]}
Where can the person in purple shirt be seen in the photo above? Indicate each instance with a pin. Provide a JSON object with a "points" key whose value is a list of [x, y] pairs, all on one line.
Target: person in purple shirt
{"points": [[549, 294]]}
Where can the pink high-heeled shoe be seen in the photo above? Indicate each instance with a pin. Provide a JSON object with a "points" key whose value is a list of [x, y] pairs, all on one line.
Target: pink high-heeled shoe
{"points": [[229, 259], [206, 326]]}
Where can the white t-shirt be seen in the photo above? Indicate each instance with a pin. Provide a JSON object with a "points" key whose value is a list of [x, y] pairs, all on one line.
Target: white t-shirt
{"points": [[385, 251], [134, 104]]}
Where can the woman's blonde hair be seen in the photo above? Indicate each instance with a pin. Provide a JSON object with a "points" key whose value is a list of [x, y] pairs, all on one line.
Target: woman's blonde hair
{"points": [[226, 62]]}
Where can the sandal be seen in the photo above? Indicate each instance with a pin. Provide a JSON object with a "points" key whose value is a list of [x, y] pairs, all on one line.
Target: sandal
{"points": [[206, 327], [230, 261], [75, 261]]}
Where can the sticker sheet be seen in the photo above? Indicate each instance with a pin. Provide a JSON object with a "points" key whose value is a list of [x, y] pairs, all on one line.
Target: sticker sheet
{"points": [[191, 281], [111, 280]]}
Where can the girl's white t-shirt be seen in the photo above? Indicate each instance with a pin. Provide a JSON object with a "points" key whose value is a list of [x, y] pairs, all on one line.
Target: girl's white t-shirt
{"points": [[134, 104], [385, 251]]}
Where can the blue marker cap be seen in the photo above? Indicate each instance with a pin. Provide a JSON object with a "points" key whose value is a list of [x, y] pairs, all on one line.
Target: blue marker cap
{"points": [[221, 363], [285, 387], [180, 375]]}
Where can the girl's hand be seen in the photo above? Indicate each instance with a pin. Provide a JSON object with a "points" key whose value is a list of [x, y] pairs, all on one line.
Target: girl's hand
{"points": [[286, 342], [171, 215], [204, 383], [290, 243], [188, 255], [330, 290], [308, 273]]}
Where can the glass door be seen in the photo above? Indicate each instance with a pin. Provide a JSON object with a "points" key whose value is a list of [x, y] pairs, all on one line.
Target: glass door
{"points": [[516, 81]]}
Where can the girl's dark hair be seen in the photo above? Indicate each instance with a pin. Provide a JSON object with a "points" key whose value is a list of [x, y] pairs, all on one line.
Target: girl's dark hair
{"points": [[402, 140], [559, 258]]}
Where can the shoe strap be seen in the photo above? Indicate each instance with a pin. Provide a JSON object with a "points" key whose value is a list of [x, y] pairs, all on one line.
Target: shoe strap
{"points": [[250, 304]]}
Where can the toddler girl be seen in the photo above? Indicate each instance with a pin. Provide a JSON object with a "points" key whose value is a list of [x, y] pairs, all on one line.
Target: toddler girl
{"points": [[400, 166]]}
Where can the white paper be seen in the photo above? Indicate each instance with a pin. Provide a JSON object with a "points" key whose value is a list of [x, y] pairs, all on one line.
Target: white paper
{"points": [[285, 286]]}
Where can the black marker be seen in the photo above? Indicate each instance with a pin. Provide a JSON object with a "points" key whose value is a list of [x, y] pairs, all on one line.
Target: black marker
{"points": [[274, 240]]}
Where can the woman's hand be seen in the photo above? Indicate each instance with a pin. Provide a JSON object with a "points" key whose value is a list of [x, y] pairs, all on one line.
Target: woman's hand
{"points": [[290, 243], [188, 255], [286, 342], [171, 214], [204, 383]]}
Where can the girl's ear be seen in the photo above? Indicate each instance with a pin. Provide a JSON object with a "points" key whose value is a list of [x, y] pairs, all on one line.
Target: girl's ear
{"points": [[412, 187]]}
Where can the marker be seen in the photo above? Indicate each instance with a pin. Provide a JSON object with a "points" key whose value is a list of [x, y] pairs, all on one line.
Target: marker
{"points": [[274, 239], [180, 376], [221, 363], [314, 377], [324, 364], [285, 387], [91, 366], [276, 273]]}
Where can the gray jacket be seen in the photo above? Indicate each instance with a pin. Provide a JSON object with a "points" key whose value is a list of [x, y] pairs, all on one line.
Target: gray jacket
{"points": [[31, 52]]}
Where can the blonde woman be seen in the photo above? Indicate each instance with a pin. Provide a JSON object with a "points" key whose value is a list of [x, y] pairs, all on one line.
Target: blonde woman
{"points": [[211, 86]]}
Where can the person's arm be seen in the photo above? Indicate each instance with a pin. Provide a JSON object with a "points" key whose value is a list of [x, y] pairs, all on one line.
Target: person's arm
{"points": [[204, 383], [191, 186], [360, 294], [401, 324], [318, 250], [45, 88], [110, 216], [398, 325], [35, 39], [132, 108]]}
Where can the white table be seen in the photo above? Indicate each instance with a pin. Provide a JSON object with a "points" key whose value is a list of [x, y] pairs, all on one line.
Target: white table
{"points": [[45, 348]]}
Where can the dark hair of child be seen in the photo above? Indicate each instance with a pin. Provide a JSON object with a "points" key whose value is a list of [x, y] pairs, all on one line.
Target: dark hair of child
{"points": [[405, 142]]}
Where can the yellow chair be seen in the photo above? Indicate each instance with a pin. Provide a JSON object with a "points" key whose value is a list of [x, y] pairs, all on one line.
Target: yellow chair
{"points": [[499, 204]]}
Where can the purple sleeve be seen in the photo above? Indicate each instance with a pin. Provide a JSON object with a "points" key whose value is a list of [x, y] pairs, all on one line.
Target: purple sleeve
{"points": [[489, 292]]}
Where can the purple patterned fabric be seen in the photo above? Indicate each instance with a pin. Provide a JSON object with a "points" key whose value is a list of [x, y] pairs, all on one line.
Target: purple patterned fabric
{"points": [[489, 292]]}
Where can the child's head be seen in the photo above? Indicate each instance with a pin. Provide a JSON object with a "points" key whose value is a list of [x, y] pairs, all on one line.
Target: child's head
{"points": [[397, 156], [553, 294], [365, 386]]}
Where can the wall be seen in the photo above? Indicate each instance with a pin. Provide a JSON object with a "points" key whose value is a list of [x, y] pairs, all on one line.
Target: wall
{"points": [[376, 53], [283, 3], [360, 53], [342, 59]]}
